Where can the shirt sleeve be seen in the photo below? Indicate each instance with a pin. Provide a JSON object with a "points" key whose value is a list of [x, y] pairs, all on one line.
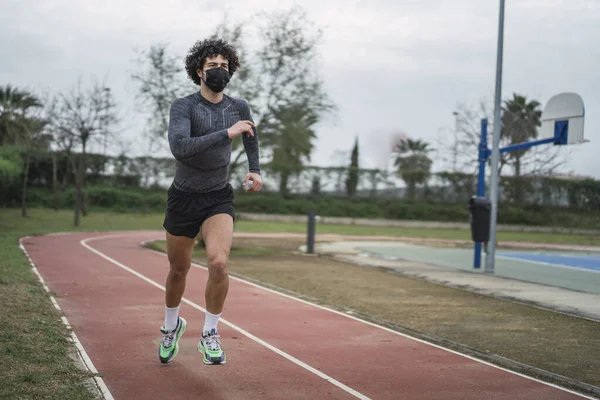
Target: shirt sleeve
{"points": [[181, 143], [250, 143]]}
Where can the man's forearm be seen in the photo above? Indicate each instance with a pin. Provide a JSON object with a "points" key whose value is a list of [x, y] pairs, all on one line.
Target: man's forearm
{"points": [[252, 152], [184, 147]]}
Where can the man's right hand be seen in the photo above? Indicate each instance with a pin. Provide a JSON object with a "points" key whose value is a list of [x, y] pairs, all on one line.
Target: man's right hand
{"points": [[240, 128]]}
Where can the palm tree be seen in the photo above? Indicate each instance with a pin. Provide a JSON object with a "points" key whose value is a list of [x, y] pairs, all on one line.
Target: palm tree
{"points": [[290, 139], [520, 119], [20, 127], [414, 164], [80, 117], [14, 107]]}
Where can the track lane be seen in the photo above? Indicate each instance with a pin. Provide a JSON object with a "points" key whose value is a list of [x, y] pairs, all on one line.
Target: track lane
{"points": [[373, 361]]}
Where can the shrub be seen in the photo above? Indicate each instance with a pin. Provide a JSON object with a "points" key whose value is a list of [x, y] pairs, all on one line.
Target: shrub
{"points": [[154, 200]]}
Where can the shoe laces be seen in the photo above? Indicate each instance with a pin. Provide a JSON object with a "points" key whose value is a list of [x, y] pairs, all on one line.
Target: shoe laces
{"points": [[213, 341], [167, 338]]}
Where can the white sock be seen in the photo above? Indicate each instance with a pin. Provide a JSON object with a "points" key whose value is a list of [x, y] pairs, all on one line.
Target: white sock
{"points": [[171, 315], [210, 322]]}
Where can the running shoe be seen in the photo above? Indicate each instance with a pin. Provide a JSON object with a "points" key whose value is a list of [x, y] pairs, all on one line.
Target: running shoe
{"points": [[210, 347], [169, 345]]}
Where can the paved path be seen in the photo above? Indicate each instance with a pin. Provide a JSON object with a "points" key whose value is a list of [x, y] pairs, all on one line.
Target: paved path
{"points": [[111, 291]]}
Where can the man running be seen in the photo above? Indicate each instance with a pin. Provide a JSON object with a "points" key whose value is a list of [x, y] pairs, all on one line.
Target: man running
{"points": [[202, 127]]}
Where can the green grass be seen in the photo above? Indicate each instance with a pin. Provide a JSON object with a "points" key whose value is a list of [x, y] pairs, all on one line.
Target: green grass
{"points": [[35, 362], [35, 349], [459, 234], [236, 251]]}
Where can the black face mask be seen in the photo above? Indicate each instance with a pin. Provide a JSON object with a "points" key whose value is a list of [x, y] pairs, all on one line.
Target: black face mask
{"points": [[217, 79]]}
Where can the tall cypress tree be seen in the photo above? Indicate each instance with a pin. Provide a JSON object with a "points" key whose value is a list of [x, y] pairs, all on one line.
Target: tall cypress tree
{"points": [[352, 180]]}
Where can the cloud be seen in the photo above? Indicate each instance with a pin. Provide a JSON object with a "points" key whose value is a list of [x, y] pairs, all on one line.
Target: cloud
{"points": [[389, 65]]}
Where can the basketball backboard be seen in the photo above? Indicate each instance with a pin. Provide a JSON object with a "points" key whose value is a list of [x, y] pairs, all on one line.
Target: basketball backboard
{"points": [[563, 118]]}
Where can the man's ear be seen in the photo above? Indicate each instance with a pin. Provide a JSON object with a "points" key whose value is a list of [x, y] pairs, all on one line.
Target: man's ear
{"points": [[199, 72]]}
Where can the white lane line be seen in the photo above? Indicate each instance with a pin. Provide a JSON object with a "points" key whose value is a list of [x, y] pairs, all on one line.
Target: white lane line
{"points": [[391, 331], [546, 263], [83, 356], [237, 328]]}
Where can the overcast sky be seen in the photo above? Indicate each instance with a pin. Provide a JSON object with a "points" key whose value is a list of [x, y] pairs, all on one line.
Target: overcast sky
{"points": [[389, 65]]}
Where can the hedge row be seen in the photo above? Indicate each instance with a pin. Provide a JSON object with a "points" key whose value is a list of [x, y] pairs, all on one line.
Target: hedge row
{"points": [[123, 200], [390, 208], [104, 197], [441, 187]]}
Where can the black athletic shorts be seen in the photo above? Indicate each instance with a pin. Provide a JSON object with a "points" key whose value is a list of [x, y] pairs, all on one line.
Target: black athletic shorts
{"points": [[186, 212]]}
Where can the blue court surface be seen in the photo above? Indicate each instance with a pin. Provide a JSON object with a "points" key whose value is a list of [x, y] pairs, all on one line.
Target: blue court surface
{"points": [[578, 271], [580, 261]]}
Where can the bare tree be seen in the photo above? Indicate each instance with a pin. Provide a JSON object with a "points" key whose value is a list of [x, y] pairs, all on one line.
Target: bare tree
{"points": [[278, 78], [61, 143], [545, 160], [245, 85], [160, 79], [464, 148], [461, 144], [80, 118]]}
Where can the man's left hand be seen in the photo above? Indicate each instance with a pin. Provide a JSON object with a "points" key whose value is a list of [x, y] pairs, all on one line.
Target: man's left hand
{"points": [[256, 182]]}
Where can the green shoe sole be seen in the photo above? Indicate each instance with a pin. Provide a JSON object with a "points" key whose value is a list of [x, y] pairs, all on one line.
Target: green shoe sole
{"points": [[212, 360], [175, 350]]}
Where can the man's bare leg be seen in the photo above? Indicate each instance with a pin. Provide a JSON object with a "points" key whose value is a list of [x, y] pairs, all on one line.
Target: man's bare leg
{"points": [[217, 232], [179, 251]]}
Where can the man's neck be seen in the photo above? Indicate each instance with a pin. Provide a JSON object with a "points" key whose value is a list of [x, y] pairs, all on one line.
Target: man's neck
{"points": [[210, 95]]}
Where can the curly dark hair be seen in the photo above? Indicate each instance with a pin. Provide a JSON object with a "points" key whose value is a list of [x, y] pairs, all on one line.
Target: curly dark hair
{"points": [[208, 48]]}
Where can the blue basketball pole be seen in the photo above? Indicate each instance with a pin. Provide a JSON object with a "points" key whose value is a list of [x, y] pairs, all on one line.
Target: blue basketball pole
{"points": [[483, 155], [561, 131]]}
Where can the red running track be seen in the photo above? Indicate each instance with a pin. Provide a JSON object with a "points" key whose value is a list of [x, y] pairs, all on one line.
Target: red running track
{"points": [[111, 291]]}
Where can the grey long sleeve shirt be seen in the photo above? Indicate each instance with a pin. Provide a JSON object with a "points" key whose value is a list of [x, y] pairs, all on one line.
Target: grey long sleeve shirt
{"points": [[199, 142]]}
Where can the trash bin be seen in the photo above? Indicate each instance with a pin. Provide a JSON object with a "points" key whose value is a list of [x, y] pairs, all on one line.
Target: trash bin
{"points": [[480, 210]]}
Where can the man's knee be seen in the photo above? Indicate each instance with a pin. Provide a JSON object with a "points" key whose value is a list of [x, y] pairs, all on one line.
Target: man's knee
{"points": [[217, 266], [178, 270]]}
